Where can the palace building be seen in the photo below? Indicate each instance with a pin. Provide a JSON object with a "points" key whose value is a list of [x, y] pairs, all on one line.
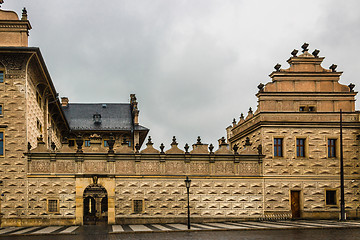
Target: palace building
{"points": [[297, 123], [65, 163]]}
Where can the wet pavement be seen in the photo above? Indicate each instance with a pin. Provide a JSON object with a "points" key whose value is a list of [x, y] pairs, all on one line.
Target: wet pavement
{"points": [[302, 229], [95, 233]]}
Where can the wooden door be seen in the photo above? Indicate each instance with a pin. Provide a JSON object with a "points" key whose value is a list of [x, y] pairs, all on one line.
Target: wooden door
{"points": [[295, 204]]}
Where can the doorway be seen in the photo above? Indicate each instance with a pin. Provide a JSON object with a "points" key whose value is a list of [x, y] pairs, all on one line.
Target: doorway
{"points": [[95, 205], [295, 204]]}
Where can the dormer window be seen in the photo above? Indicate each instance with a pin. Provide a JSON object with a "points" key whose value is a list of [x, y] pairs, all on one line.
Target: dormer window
{"points": [[97, 118]]}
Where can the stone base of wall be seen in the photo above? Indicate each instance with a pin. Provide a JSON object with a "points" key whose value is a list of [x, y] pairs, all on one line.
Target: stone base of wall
{"points": [[24, 222], [350, 214], [152, 220]]}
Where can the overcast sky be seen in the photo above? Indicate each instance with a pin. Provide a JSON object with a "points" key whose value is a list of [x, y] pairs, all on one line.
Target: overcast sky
{"points": [[194, 65]]}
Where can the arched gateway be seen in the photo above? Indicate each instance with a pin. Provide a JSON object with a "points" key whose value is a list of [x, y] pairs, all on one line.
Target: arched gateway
{"points": [[95, 204]]}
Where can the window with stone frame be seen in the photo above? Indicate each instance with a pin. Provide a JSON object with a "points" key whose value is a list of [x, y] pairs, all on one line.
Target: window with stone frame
{"points": [[278, 147], [87, 143], [2, 147], [330, 198], [1, 109], [53, 205], [1, 76], [39, 125], [71, 142], [332, 147], [300, 147], [138, 206]]}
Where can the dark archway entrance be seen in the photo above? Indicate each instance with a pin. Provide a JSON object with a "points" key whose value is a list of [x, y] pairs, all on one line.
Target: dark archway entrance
{"points": [[95, 205]]}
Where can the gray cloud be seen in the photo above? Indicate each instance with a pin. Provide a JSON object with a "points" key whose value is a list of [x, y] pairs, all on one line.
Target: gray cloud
{"points": [[194, 65]]}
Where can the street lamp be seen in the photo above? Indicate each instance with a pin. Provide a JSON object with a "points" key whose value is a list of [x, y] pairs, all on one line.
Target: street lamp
{"points": [[342, 191], [187, 184]]}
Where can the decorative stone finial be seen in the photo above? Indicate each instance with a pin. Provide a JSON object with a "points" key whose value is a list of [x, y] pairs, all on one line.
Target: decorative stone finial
{"points": [[198, 140], [241, 116], [277, 67], [316, 53], [211, 148], [79, 143], [162, 146], [247, 142], [1, 2], [235, 148], [234, 121], [222, 141], [24, 14], [305, 47], [149, 141], [294, 52], [351, 86], [186, 147], [137, 147], [111, 143], [261, 87], [174, 141], [250, 110], [333, 67], [40, 139]]}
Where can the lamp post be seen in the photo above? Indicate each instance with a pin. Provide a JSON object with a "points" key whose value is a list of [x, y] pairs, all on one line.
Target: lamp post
{"points": [[187, 184], [342, 192]]}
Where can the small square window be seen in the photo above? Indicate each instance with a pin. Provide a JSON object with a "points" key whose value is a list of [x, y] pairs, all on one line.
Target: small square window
{"points": [[87, 143], [138, 206], [1, 76], [331, 197], [52, 205], [278, 147], [302, 109], [311, 109]]}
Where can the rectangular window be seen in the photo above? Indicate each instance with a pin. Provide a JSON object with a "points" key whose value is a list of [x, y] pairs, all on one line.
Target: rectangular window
{"points": [[106, 143], [1, 76], [311, 109], [87, 143], [331, 148], [331, 197], [278, 147], [1, 143], [71, 143], [138, 206], [1, 110], [39, 125], [52, 205], [302, 109], [38, 99], [300, 147]]}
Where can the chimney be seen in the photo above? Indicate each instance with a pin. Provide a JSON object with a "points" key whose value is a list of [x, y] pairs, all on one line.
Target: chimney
{"points": [[14, 32], [64, 101], [134, 108]]}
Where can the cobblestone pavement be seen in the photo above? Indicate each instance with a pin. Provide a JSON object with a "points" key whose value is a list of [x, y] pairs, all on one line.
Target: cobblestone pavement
{"points": [[147, 228]]}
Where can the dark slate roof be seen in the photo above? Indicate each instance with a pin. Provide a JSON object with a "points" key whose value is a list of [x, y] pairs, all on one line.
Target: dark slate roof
{"points": [[114, 117]]}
